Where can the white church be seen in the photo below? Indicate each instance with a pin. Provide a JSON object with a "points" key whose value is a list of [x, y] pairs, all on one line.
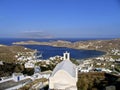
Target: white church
{"points": [[64, 75]]}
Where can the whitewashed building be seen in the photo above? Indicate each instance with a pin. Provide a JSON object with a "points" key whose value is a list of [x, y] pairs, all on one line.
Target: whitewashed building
{"points": [[1, 62], [18, 76], [64, 76], [29, 64]]}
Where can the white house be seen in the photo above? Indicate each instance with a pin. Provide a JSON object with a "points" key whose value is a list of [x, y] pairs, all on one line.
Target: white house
{"points": [[46, 74], [29, 64], [64, 75], [1, 62], [17, 76]]}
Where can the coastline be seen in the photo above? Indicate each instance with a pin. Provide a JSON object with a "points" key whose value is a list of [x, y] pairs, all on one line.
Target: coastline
{"points": [[60, 44], [102, 45], [105, 46], [85, 45]]}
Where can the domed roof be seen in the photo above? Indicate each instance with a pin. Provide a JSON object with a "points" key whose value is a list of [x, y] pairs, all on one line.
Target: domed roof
{"points": [[67, 66]]}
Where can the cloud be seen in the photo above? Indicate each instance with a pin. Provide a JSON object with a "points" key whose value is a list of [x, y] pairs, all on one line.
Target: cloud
{"points": [[35, 34]]}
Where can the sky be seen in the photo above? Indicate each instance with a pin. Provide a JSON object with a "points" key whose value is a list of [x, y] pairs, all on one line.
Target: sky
{"points": [[60, 18]]}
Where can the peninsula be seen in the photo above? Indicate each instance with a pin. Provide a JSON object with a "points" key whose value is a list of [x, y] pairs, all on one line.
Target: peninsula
{"points": [[102, 45]]}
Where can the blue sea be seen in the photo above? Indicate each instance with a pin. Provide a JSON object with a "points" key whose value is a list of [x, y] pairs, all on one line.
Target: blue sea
{"points": [[49, 51]]}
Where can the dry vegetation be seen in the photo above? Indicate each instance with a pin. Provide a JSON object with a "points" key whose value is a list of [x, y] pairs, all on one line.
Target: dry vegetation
{"points": [[97, 81], [10, 65], [7, 53], [103, 45]]}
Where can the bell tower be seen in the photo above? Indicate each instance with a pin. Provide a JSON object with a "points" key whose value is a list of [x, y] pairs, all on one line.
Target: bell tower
{"points": [[66, 56]]}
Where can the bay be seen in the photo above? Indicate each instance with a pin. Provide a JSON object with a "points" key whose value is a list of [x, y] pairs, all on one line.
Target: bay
{"points": [[49, 51]]}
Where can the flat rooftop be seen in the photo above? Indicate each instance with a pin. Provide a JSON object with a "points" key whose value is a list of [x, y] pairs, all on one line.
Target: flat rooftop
{"points": [[11, 83]]}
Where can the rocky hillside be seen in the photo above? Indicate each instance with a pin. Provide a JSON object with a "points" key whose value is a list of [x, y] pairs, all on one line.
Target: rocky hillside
{"points": [[7, 53], [103, 45]]}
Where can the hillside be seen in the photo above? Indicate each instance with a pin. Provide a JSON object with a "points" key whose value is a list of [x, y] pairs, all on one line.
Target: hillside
{"points": [[103, 45], [98, 81], [7, 53]]}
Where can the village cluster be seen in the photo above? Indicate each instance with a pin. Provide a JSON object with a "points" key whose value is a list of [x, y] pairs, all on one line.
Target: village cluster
{"points": [[64, 69]]}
